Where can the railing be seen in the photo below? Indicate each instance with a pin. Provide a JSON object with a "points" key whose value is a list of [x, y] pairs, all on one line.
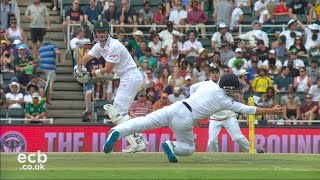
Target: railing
{"points": [[112, 29], [50, 120]]}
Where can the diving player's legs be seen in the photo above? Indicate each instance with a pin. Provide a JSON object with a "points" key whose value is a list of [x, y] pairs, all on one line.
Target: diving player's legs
{"points": [[214, 130], [232, 126]]}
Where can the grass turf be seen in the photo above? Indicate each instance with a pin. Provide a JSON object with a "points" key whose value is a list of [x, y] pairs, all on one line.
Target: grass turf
{"points": [[156, 166]]}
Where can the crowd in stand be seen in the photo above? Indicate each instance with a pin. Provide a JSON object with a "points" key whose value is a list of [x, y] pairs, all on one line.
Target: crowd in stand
{"points": [[282, 71]]}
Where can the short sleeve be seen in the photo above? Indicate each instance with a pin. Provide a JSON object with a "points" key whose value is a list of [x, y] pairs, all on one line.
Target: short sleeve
{"points": [[95, 51]]}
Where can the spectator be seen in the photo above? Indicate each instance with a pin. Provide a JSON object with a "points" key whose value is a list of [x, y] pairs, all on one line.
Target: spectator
{"points": [[87, 117], [262, 51], [302, 83], [163, 101], [239, 59], [254, 35], [128, 15], [312, 36], [247, 53], [281, 9], [216, 59], [152, 62], [226, 53], [297, 63], [140, 107], [297, 7], [279, 45], [178, 16], [167, 46], [145, 14], [291, 33], [186, 87], [179, 81], [35, 110], [170, 6], [174, 54], [113, 87], [242, 3], [22, 63], [31, 89], [141, 51], [192, 46], [198, 72], [149, 77], [123, 39], [291, 110], [197, 17], [14, 98], [6, 62], [272, 68], [309, 110], [164, 76], [49, 55], [273, 55], [135, 44], [37, 14], [237, 14], [222, 36], [291, 91], [3, 99], [74, 15], [98, 91], [41, 83], [237, 65], [222, 13], [7, 10], [313, 71], [315, 91], [259, 7], [155, 44], [293, 71], [167, 35], [281, 82], [261, 83], [243, 78], [154, 94], [171, 85], [268, 99], [54, 5], [112, 14], [159, 17], [15, 32], [176, 96], [298, 44], [91, 13]]}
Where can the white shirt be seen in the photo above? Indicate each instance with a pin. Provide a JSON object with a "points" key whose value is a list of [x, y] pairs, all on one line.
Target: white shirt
{"points": [[196, 45], [222, 115], [73, 42], [259, 6], [168, 45], [315, 92], [278, 64], [251, 37], [207, 98], [216, 37], [236, 13], [289, 40], [296, 63], [15, 97], [114, 52], [156, 47], [165, 35], [309, 43], [245, 63], [176, 15]]}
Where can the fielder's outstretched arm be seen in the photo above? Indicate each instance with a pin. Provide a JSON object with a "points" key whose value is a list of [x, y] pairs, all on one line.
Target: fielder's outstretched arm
{"points": [[274, 110]]}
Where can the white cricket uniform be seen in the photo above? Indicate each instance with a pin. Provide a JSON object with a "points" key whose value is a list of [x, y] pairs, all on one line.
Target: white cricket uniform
{"points": [[206, 99], [228, 120], [130, 77]]}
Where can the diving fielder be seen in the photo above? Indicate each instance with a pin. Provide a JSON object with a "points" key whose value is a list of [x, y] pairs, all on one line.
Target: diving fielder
{"points": [[206, 99], [226, 119], [118, 60]]}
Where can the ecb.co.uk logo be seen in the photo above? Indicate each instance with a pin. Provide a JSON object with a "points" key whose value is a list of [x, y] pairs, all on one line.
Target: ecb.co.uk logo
{"points": [[13, 141], [32, 161]]}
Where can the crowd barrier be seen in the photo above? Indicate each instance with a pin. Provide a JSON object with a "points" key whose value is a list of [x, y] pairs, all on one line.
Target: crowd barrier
{"points": [[90, 138]]}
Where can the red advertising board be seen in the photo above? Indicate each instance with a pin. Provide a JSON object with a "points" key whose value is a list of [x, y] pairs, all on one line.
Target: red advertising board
{"points": [[91, 139]]}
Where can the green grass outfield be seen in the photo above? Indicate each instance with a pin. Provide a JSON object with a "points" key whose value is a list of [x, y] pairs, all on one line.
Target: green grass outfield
{"points": [[156, 166]]}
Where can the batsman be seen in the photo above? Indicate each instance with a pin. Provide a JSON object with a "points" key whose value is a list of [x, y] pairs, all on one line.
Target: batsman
{"points": [[119, 61]]}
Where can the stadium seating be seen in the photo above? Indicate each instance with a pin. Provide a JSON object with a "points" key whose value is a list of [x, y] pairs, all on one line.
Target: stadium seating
{"points": [[7, 77], [16, 113]]}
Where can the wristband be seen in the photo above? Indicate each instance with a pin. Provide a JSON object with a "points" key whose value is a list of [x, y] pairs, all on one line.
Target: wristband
{"points": [[98, 73]]}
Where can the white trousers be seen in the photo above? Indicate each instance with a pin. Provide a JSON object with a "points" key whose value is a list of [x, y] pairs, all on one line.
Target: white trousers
{"points": [[177, 117], [232, 126], [130, 84]]}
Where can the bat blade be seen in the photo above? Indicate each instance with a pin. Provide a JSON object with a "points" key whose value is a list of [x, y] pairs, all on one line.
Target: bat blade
{"points": [[78, 58]]}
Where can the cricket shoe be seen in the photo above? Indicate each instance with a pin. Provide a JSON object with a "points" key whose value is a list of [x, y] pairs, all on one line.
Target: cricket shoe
{"points": [[168, 150], [112, 138]]}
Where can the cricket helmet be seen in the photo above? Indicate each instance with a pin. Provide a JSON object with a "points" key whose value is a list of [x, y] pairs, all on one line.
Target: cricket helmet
{"points": [[101, 31], [101, 25], [232, 86]]}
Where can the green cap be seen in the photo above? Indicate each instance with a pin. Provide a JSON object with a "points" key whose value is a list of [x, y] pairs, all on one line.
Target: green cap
{"points": [[294, 50], [29, 69], [101, 24]]}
